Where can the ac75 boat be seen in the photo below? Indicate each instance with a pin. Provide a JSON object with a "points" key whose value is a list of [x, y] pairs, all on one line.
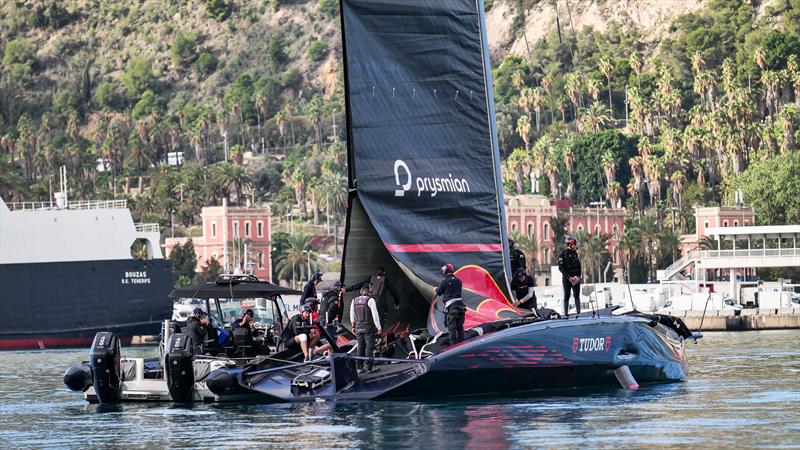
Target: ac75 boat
{"points": [[425, 189]]}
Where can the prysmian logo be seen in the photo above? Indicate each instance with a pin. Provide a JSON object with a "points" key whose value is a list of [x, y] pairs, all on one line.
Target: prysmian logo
{"points": [[433, 185]]}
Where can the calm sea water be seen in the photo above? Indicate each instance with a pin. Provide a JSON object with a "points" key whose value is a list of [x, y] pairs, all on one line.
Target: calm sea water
{"points": [[743, 391]]}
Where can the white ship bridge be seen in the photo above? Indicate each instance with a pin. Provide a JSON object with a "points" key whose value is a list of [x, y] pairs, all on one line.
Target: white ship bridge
{"points": [[738, 248]]}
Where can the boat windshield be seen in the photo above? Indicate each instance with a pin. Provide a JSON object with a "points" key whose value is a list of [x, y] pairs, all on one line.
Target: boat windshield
{"points": [[265, 310]]}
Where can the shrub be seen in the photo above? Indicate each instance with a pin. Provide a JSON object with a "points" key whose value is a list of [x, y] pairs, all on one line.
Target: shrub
{"points": [[206, 63], [329, 7], [317, 50], [276, 50], [107, 97], [148, 104], [139, 77], [184, 49], [18, 51], [217, 9]]}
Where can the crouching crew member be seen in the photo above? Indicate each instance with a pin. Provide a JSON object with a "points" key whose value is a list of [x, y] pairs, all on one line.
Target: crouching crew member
{"points": [[450, 292], [522, 289], [300, 332], [366, 323]]}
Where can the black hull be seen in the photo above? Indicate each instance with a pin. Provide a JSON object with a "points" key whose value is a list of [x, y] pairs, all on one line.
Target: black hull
{"points": [[556, 354], [45, 305]]}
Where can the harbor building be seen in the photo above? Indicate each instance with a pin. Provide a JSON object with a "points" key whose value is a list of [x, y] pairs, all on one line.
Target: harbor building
{"points": [[240, 227], [530, 214]]}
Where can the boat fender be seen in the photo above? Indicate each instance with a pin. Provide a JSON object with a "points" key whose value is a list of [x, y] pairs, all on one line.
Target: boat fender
{"points": [[78, 378], [104, 359], [221, 381], [179, 367]]}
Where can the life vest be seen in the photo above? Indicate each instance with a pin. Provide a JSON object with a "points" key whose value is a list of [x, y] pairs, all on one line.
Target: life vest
{"points": [[377, 284], [361, 311]]}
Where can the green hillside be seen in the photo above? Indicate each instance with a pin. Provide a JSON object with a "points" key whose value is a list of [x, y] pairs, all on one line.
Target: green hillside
{"points": [[656, 119]]}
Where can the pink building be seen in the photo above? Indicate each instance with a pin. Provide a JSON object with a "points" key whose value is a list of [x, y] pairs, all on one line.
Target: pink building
{"points": [[531, 214], [221, 224], [715, 217]]}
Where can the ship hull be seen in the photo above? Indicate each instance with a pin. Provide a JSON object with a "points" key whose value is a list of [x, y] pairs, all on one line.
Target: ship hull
{"points": [[63, 304]]}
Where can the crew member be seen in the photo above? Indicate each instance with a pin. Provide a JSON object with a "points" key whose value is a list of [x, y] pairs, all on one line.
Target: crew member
{"points": [[364, 318], [330, 309], [378, 284], [246, 321], [450, 292], [300, 332], [517, 257], [310, 289], [570, 266], [522, 290], [197, 327]]}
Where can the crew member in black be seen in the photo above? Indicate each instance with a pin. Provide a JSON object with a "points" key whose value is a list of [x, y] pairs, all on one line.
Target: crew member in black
{"points": [[310, 289], [517, 257], [364, 318], [330, 308], [522, 289], [450, 292], [570, 266], [197, 327], [378, 284], [300, 332], [245, 321]]}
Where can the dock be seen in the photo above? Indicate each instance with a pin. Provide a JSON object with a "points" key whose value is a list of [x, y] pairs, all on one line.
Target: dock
{"points": [[748, 319]]}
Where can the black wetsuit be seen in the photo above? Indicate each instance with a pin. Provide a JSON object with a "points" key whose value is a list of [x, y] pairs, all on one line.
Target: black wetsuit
{"points": [[330, 308], [309, 291], [517, 259], [454, 310], [570, 266]]}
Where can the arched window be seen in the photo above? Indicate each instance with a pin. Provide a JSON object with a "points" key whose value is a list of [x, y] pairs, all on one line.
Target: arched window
{"points": [[513, 226], [530, 229], [214, 230], [544, 233], [247, 229]]}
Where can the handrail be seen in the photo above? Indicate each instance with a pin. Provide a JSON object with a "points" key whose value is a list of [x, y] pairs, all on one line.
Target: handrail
{"points": [[148, 227], [74, 205]]}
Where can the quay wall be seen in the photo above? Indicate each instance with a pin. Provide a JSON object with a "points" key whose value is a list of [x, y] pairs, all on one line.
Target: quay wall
{"points": [[749, 319]]}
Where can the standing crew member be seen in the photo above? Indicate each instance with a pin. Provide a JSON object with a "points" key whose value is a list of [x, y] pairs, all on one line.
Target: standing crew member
{"points": [[522, 290], [310, 289], [330, 308], [378, 284], [450, 292], [570, 266], [197, 327], [364, 317], [517, 257]]}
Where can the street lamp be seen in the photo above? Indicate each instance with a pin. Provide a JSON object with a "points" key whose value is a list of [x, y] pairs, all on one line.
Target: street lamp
{"points": [[172, 222]]}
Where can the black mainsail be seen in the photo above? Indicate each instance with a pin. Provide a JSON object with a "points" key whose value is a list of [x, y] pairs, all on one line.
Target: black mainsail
{"points": [[424, 174]]}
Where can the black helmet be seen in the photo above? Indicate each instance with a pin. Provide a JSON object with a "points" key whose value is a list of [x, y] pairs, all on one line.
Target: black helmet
{"points": [[569, 239], [316, 277], [199, 313], [519, 271], [337, 285]]}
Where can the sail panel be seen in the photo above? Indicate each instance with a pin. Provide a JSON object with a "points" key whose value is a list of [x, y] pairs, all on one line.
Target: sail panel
{"points": [[422, 141]]}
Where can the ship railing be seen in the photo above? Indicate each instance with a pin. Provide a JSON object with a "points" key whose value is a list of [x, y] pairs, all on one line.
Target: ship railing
{"points": [[148, 228], [77, 204]]}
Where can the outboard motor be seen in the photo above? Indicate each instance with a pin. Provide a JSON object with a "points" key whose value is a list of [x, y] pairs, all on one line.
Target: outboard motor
{"points": [[78, 378], [104, 359], [179, 369]]}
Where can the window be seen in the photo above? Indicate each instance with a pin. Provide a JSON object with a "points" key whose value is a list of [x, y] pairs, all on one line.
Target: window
{"points": [[705, 225], [235, 229], [513, 226], [547, 256], [260, 260], [214, 229], [725, 223], [247, 229], [546, 226], [597, 229], [736, 223], [745, 222], [260, 229], [530, 229], [616, 232]]}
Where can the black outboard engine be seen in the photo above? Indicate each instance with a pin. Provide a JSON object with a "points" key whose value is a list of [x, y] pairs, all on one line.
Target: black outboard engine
{"points": [[104, 359], [179, 368], [78, 378]]}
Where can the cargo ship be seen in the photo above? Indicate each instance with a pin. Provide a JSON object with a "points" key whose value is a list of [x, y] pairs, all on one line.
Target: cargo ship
{"points": [[67, 272]]}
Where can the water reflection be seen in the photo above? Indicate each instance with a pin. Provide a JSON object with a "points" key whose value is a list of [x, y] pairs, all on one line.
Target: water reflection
{"points": [[744, 390]]}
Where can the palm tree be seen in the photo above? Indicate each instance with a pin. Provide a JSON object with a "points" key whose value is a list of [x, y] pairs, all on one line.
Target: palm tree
{"points": [[547, 85], [593, 87], [635, 62], [613, 193], [595, 118], [629, 248], [573, 89], [569, 162], [772, 83], [760, 57], [517, 162], [524, 130], [669, 243], [649, 230], [678, 180], [293, 261], [334, 196], [788, 114], [609, 164], [607, 68]]}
